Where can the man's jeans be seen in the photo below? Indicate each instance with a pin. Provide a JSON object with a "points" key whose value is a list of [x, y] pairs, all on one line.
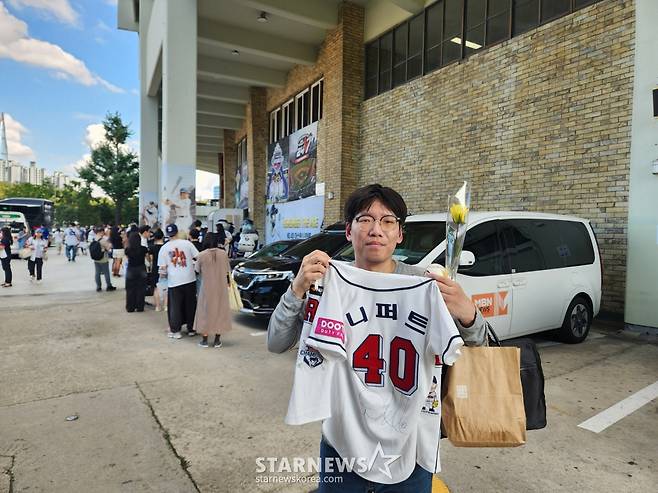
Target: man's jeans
{"points": [[420, 480], [70, 251], [102, 268]]}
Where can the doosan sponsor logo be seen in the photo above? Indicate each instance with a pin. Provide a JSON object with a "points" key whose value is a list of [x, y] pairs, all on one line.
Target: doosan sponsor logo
{"points": [[330, 328]]}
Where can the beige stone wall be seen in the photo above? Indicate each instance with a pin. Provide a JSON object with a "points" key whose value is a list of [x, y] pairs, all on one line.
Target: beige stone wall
{"points": [[538, 123]]}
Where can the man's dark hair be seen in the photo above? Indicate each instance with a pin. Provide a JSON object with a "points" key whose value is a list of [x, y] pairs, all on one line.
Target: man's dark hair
{"points": [[158, 235], [144, 228], [362, 198], [194, 234], [197, 224]]}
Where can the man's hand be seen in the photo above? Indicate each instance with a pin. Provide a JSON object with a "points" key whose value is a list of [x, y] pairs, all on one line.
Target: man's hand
{"points": [[458, 302], [313, 267]]}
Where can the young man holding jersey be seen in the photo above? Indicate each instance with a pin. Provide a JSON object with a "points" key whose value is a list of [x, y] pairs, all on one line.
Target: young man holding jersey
{"points": [[374, 217]]}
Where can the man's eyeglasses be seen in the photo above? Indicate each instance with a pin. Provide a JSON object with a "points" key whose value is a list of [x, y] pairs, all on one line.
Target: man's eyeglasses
{"points": [[388, 223]]}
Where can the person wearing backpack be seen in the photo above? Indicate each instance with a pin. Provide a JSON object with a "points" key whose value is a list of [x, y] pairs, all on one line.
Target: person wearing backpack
{"points": [[98, 251]]}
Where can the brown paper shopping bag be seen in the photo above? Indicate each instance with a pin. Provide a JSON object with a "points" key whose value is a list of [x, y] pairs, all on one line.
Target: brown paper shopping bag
{"points": [[482, 405]]}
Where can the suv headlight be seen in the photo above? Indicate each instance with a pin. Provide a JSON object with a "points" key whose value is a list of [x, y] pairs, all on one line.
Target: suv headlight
{"points": [[276, 276]]}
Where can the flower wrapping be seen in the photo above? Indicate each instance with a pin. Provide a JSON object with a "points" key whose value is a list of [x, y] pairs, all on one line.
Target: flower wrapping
{"points": [[458, 208]]}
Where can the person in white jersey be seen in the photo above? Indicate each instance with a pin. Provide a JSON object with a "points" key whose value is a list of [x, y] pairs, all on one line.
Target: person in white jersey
{"points": [[374, 217]]}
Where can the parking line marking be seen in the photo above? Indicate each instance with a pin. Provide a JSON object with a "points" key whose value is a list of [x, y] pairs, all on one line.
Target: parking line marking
{"points": [[620, 410], [255, 334]]}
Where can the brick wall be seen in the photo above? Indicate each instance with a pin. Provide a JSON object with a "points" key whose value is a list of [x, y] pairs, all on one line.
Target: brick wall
{"points": [[229, 165], [257, 122], [538, 123]]}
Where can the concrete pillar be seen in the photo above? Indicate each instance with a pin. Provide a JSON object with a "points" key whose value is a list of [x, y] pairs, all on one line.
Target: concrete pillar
{"points": [[257, 140], [179, 69], [228, 171], [642, 267], [149, 173]]}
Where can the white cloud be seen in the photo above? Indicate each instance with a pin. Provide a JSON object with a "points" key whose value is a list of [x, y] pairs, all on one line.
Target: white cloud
{"points": [[204, 184], [59, 9], [17, 150], [16, 45], [94, 135], [112, 2]]}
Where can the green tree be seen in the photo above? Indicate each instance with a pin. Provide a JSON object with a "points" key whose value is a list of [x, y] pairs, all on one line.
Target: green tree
{"points": [[112, 168]]}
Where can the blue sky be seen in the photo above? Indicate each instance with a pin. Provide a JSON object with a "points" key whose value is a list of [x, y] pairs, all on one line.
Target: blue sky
{"points": [[63, 66]]}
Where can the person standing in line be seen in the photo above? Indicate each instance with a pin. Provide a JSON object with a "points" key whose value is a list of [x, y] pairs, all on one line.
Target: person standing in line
{"points": [[195, 239], [102, 265], [135, 273], [144, 235], [117, 250], [71, 241], [58, 236], [159, 285], [176, 263], [38, 246], [213, 315], [5, 255], [83, 240], [221, 238]]}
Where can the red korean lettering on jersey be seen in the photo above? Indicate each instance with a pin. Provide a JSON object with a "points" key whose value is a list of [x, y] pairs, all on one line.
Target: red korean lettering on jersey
{"points": [[178, 258]]}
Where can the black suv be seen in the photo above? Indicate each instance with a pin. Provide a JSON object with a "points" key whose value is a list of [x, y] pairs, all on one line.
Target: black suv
{"points": [[263, 281]]}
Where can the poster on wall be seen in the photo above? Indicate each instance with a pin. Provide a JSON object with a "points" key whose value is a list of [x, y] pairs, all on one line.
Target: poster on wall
{"points": [[277, 172], [178, 196], [302, 157], [295, 220], [148, 215], [242, 177]]}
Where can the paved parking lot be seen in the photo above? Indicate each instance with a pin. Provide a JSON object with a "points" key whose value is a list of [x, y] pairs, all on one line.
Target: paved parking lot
{"points": [[154, 414]]}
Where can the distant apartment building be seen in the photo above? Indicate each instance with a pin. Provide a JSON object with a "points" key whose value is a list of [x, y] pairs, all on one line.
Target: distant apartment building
{"points": [[14, 172]]}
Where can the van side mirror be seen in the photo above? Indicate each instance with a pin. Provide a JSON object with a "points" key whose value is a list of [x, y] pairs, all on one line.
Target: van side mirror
{"points": [[466, 259]]}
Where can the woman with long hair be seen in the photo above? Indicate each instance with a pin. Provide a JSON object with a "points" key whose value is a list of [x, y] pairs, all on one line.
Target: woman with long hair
{"points": [[213, 314], [5, 255], [135, 273]]}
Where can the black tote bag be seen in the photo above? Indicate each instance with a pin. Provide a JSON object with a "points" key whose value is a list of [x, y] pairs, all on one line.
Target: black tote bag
{"points": [[532, 379]]}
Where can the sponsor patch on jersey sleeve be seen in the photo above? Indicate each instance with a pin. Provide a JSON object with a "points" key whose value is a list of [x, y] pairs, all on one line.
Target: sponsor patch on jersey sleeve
{"points": [[328, 334]]}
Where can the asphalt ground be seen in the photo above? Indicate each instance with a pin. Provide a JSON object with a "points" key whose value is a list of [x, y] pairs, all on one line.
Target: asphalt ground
{"points": [[156, 414]]}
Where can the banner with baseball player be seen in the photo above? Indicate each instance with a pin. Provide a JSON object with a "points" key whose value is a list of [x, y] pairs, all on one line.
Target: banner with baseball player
{"points": [[277, 172], [292, 166], [299, 219], [148, 215], [178, 204], [303, 154]]}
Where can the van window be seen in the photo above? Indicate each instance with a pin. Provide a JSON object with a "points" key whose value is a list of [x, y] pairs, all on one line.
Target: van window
{"points": [[523, 245], [538, 244], [483, 241], [577, 249]]}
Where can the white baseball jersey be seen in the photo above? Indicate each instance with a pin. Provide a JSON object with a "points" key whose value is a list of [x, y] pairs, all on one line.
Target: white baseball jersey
{"points": [[366, 366]]}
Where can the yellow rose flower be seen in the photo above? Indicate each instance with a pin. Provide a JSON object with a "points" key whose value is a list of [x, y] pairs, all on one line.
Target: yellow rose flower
{"points": [[458, 213]]}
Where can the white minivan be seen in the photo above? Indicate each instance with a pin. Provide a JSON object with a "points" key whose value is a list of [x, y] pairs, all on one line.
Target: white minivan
{"points": [[527, 271]]}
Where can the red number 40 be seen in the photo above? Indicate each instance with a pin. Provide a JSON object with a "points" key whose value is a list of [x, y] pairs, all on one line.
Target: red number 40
{"points": [[368, 358]]}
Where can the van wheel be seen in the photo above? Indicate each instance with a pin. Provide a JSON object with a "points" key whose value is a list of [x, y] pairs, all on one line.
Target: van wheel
{"points": [[577, 321]]}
